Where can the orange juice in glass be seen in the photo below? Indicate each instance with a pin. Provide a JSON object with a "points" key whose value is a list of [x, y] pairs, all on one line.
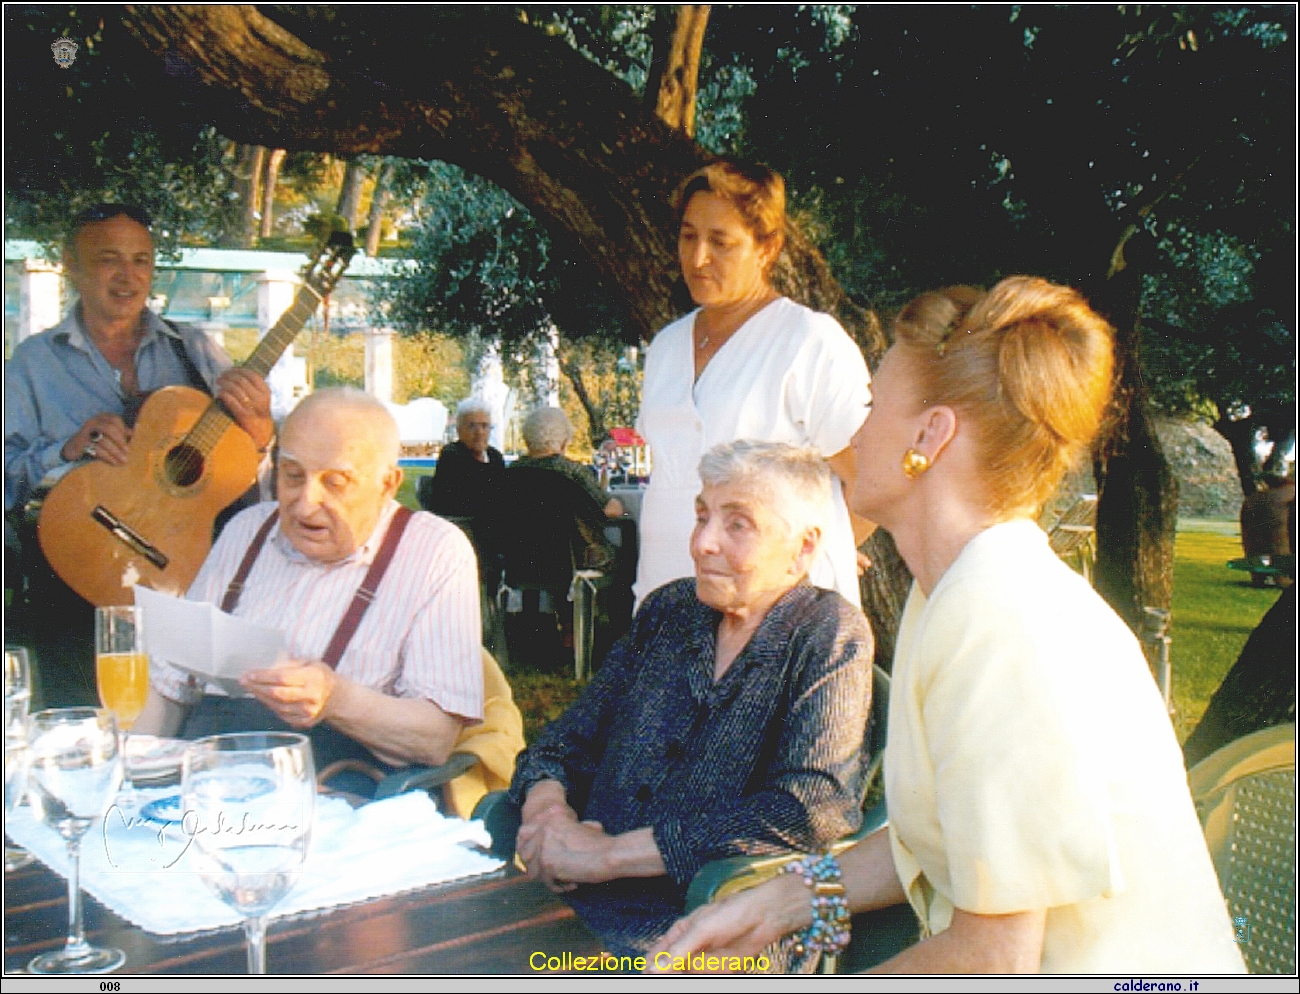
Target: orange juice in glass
{"points": [[122, 672], [123, 679]]}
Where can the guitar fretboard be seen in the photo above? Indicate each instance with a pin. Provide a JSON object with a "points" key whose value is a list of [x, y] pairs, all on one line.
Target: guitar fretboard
{"points": [[215, 422]]}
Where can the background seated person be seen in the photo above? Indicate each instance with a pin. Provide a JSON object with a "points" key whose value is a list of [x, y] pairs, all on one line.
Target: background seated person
{"points": [[467, 468], [1268, 518], [729, 720], [412, 673], [547, 433]]}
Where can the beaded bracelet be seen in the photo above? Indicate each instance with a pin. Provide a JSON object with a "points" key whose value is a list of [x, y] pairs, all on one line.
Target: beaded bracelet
{"points": [[829, 931]]}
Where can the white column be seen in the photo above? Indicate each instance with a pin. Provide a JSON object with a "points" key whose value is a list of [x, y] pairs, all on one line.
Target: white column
{"points": [[215, 326], [38, 298], [548, 369], [275, 292], [288, 378], [379, 363]]}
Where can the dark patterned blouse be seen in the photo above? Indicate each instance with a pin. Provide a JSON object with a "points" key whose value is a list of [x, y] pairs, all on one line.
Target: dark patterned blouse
{"points": [[766, 760]]}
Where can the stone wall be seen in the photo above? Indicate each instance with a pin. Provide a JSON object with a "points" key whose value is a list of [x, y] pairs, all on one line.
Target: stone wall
{"points": [[1202, 462]]}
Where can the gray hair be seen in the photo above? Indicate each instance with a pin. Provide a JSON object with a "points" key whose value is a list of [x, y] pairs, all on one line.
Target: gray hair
{"points": [[793, 483], [370, 412], [547, 429], [473, 405]]}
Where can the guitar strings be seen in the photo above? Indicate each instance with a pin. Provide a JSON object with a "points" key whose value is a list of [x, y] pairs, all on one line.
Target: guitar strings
{"points": [[198, 443]]}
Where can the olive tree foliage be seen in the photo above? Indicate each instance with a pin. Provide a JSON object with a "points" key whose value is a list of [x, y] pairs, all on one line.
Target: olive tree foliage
{"points": [[480, 262], [1219, 295]]}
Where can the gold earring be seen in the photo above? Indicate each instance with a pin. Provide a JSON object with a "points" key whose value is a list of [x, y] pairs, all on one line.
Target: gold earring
{"points": [[915, 463]]}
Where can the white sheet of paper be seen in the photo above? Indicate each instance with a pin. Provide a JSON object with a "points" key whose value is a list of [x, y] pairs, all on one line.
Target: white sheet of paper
{"points": [[202, 639]]}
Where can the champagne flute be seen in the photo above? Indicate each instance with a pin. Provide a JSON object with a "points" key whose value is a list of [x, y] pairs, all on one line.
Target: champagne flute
{"points": [[75, 766], [248, 802], [122, 672], [18, 695]]}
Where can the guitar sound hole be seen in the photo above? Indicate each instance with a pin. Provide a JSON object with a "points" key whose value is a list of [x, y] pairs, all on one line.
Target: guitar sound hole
{"points": [[184, 465]]}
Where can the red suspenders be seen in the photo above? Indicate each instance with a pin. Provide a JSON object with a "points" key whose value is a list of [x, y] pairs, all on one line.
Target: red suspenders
{"points": [[364, 595]]}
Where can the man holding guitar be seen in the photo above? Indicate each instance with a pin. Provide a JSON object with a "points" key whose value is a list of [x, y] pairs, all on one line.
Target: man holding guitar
{"points": [[72, 393]]}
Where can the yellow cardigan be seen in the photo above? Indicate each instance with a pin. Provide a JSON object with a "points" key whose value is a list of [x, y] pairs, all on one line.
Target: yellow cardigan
{"points": [[496, 741]]}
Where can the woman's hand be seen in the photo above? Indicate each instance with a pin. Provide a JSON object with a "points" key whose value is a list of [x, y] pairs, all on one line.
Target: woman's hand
{"points": [[547, 802], [545, 806], [562, 854], [742, 925]]}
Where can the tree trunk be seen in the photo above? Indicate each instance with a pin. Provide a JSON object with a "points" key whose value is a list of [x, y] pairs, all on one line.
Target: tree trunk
{"points": [[466, 84], [596, 428], [378, 201], [1137, 506], [350, 193], [1241, 437], [1259, 690], [884, 589], [269, 179], [675, 66], [247, 173]]}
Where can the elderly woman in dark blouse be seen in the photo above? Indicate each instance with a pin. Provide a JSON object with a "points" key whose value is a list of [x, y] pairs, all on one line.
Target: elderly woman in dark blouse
{"points": [[728, 721]]}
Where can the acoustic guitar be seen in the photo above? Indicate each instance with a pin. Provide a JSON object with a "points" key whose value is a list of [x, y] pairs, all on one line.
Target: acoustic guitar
{"points": [[106, 528]]}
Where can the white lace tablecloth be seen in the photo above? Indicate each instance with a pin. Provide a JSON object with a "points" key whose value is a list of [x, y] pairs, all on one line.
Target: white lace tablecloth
{"points": [[142, 869]]}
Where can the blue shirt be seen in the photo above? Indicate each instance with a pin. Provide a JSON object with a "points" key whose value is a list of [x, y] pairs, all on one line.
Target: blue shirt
{"points": [[766, 760], [58, 380]]}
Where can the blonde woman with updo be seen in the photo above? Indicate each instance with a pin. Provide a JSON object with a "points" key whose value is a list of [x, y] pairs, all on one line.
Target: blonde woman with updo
{"points": [[747, 363], [1040, 818]]}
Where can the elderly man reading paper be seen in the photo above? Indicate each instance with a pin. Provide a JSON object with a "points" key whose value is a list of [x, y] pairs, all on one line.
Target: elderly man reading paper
{"points": [[396, 686], [728, 721]]}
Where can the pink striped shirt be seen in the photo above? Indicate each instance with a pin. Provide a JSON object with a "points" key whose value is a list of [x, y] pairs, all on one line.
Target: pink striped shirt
{"points": [[420, 638]]}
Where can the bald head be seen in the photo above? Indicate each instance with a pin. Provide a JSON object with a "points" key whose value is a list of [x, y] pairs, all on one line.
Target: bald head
{"points": [[361, 416], [337, 472]]}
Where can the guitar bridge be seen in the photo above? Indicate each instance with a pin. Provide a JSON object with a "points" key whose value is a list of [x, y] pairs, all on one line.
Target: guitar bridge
{"points": [[128, 536]]}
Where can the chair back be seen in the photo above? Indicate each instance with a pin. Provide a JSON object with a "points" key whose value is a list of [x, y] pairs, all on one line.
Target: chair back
{"points": [[877, 731], [1245, 797], [1073, 537]]}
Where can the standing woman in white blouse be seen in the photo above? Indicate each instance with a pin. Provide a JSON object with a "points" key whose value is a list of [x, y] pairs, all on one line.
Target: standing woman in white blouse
{"points": [[748, 363]]}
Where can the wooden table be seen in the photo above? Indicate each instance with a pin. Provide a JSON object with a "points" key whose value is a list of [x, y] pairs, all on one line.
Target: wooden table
{"points": [[490, 924]]}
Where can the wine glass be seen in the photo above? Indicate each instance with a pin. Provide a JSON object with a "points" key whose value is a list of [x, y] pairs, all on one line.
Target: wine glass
{"points": [[122, 672], [18, 695], [75, 766], [248, 801], [15, 780]]}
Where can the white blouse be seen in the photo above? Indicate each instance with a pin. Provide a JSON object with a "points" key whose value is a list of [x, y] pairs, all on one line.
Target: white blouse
{"points": [[788, 374]]}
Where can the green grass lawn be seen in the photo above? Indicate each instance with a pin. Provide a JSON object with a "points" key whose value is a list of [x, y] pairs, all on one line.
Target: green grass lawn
{"points": [[406, 492], [1215, 610]]}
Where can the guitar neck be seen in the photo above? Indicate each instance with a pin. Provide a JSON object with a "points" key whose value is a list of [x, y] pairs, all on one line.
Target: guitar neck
{"points": [[275, 341], [215, 420]]}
